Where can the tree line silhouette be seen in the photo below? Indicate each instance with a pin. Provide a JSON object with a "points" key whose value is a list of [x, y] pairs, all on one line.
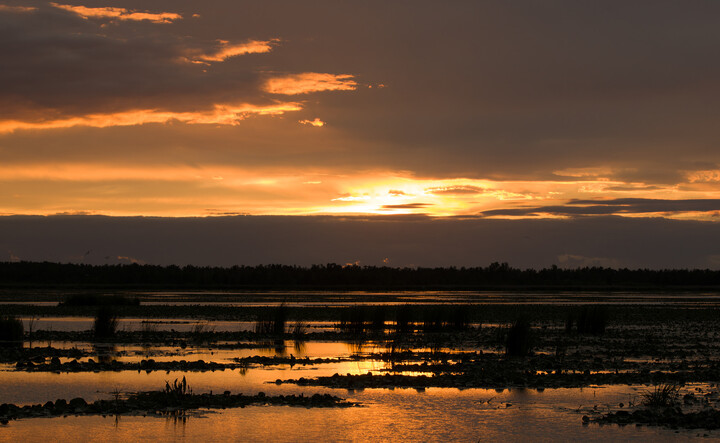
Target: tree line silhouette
{"points": [[496, 275]]}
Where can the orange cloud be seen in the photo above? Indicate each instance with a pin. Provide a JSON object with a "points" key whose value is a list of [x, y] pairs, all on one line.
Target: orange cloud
{"points": [[310, 82], [227, 50], [119, 13], [17, 9], [219, 115], [317, 122]]}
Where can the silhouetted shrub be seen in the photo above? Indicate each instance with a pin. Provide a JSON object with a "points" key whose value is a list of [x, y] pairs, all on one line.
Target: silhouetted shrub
{"points": [[518, 341], [105, 324], [11, 331]]}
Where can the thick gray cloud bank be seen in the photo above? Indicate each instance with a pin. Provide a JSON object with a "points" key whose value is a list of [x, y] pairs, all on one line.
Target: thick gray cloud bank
{"points": [[400, 241]]}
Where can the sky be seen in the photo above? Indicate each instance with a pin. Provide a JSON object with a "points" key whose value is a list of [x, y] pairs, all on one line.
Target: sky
{"points": [[555, 113]]}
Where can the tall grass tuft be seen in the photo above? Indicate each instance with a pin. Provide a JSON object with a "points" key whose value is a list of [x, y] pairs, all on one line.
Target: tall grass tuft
{"points": [[105, 324], [592, 320], [11, 332], [662, 396], [518, 341]]}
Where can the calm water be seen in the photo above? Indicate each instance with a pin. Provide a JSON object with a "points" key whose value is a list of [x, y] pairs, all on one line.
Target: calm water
{"points": [[434, 414]]}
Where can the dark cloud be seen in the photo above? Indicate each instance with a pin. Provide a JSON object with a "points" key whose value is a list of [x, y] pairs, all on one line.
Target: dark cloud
{"points": [[404, 240], [60, 65], [614, 206]]}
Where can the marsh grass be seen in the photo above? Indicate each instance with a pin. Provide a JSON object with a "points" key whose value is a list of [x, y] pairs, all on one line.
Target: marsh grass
{"points": [[105, 324], [518, 339], [177, 390], [662, 396], [11, 331]]}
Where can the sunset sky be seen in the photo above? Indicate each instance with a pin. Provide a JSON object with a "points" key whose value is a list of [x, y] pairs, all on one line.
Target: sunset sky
{"points": [[473, 110]]}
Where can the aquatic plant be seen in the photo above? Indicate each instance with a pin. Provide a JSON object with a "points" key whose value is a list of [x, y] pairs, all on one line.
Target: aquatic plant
{"points": [[200, 330], [148, 329], [299, 329], [569, 320], [353, 320], [518, 340], [272, 322], [433, 320], [459, 318], [377, 324], [403, 319], [177, 389], [662, 396], [105, 324], [592, 320], [100, 300], [11, 331]]}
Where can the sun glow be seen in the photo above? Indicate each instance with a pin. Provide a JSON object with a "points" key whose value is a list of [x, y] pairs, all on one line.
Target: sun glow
{"points": [[165, 190]]}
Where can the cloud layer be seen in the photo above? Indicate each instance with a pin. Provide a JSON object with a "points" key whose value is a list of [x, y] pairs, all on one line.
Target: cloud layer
{"points": [[496, 109]]}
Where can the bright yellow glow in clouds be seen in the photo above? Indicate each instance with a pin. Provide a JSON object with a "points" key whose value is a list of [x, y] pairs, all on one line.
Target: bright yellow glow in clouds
{"points": [[119, 13], [310, 82], [219, 115], [316, 122], [222, 190]]}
